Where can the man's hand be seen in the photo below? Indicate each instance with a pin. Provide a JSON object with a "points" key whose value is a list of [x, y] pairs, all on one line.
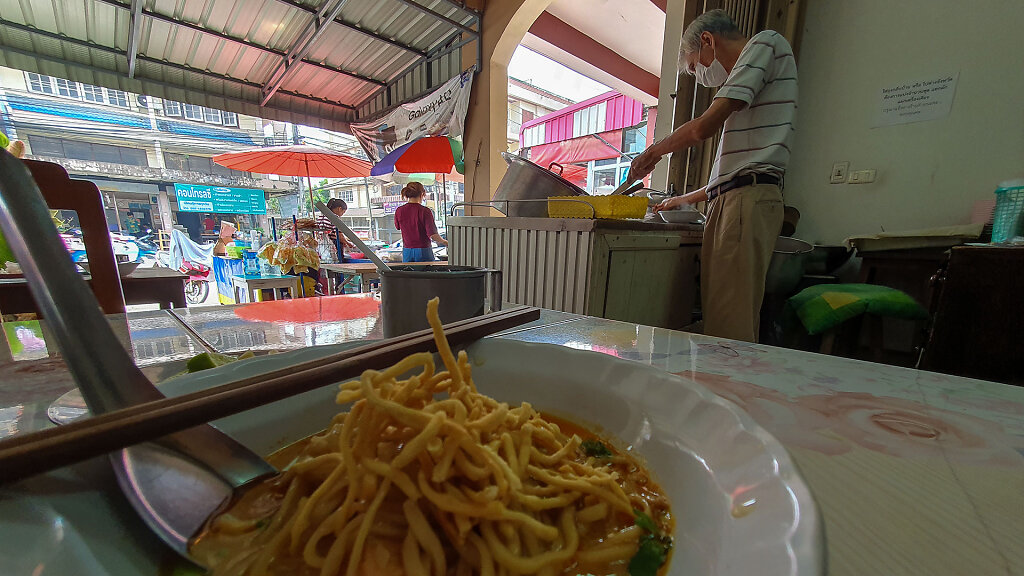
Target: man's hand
{"points": [[699, 195], [643, 164]]}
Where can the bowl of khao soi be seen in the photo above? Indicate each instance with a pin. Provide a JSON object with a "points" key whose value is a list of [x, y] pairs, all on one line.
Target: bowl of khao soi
{"points": [[424, 475]]}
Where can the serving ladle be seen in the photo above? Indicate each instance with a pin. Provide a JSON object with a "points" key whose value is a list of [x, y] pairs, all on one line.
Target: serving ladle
{"points": [[176, 483]]}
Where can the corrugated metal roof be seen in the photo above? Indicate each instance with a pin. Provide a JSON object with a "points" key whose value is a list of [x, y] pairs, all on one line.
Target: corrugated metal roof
{"points": [[227, 53]]}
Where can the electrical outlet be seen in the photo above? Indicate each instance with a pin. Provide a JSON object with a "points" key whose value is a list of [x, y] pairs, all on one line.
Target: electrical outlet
{"points": [[839, 170], [854, 177]]}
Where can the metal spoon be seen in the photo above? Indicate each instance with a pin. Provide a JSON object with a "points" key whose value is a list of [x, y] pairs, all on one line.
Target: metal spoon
{"points": [[174, 484], [381, 266]]}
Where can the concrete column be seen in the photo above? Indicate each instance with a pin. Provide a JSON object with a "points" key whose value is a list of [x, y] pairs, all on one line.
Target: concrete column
{"points": [[504, 25], [675, 12], [163, 204]]}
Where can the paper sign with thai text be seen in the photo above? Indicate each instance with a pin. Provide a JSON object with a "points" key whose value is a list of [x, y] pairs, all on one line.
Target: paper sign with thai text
{"points": [[916, 101]]}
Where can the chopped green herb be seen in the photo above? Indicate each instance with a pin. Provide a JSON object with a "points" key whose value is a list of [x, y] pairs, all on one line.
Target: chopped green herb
{"points": [[595, 449], [263, 523], [651, 555], [644, 521], [654, 548]]}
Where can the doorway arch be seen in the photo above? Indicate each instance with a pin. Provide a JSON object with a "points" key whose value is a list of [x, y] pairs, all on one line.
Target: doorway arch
{"points": [[503, 27]]}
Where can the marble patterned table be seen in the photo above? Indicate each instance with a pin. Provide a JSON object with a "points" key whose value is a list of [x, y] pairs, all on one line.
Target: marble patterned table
{"points": [[914, 472]]}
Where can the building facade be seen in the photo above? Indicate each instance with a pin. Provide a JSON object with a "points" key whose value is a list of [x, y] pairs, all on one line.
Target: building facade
{"points": [[141, 152], [526, 102]]}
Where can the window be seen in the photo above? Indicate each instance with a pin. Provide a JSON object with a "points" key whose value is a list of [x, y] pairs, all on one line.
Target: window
{"points": [[43, 146], [211, 115], [634, 139], [174, 161], [172, 108], [527, 116], [200, 164], [60, 148], [534, 135], [604, 179], [92, 93], [65, 88], [78, 150], [117, 98], [193, 112], [230, 119], [348, 196], [590, 120], [104, 153], [40, 83], [133, 156]]}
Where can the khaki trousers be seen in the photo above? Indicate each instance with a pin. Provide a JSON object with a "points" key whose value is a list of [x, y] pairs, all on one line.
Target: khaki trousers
{"points": [[739, 237]]}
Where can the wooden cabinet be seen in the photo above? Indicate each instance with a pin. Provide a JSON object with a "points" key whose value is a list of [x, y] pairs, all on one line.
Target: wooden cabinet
{"points": [[618, 269]]}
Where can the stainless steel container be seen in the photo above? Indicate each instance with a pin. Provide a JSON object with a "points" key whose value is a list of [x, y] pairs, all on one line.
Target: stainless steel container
{"points": [[525, 180], [787, 265], [405, 290]]}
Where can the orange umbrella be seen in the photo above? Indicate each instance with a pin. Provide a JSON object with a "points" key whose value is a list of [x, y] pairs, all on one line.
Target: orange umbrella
{"points": [[296, 161]]}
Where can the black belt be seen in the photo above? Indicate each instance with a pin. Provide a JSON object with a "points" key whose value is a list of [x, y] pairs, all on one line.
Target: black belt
{"points": [[740, 181]]}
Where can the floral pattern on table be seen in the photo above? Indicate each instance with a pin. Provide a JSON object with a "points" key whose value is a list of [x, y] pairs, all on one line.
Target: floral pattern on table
{"points": [[898, 411]]}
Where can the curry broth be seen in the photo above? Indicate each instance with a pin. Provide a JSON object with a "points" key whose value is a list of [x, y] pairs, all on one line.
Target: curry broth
{"points": [[240, 522]]}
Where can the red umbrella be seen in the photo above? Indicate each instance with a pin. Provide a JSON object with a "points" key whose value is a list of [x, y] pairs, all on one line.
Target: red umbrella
{"points": [[296, 161]]}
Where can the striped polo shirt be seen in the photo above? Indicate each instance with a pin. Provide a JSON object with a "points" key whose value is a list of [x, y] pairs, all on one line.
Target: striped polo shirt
{"points": [[756, 139]]}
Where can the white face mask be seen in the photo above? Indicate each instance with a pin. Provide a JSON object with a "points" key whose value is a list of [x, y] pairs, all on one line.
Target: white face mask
{"points": [[711, 76]]}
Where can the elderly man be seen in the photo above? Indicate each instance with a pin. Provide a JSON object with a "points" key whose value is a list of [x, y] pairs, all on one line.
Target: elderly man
{"points": [[754, 109]]}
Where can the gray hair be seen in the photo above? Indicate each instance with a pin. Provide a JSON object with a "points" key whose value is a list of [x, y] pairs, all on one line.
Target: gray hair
{"points": [[714, 21]]}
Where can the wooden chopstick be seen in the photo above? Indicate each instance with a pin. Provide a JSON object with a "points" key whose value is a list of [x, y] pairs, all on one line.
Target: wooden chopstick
{"points": [[46, 450]]}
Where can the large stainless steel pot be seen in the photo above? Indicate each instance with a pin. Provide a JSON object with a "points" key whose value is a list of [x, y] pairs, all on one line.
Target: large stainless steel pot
{"points": [[525, 180], [405, 290], [787, 265]]}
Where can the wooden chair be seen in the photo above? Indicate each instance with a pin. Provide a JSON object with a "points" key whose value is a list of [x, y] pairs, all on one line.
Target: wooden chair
{"points": [[82, 196], [977, 330]]}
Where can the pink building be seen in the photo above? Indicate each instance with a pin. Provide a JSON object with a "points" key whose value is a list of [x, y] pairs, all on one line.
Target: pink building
{"points": [[594, 140]]}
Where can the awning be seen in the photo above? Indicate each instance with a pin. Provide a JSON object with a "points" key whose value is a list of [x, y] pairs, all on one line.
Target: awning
{"points": [[323, 64], [581, 149]]}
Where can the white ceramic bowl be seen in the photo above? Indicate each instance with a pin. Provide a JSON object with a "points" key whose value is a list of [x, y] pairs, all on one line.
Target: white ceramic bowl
{"points": [[740, 505]]}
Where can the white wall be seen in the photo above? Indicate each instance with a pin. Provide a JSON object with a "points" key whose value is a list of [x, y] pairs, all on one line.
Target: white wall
{"points": [[929, 173]]}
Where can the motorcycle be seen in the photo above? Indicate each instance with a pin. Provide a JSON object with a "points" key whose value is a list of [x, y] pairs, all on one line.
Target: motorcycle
{"points": [[193, 260], [197, 287], [126, 248], [147, 249]]}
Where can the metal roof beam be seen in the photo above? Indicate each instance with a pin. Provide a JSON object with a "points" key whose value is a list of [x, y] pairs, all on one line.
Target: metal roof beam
{"points": [[328, 11], [462, 6], [142, 58], [357, 28], [442, 49], [439, 16], [195, 27], [134, 35]]}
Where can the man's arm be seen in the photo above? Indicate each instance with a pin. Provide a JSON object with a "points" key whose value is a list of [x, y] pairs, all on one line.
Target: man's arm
{"points": [[690, 134], [698, 195], [437, 238]]}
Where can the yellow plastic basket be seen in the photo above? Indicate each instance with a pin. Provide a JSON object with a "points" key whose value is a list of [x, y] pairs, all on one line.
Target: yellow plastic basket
{"points": [[615, 207]]}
